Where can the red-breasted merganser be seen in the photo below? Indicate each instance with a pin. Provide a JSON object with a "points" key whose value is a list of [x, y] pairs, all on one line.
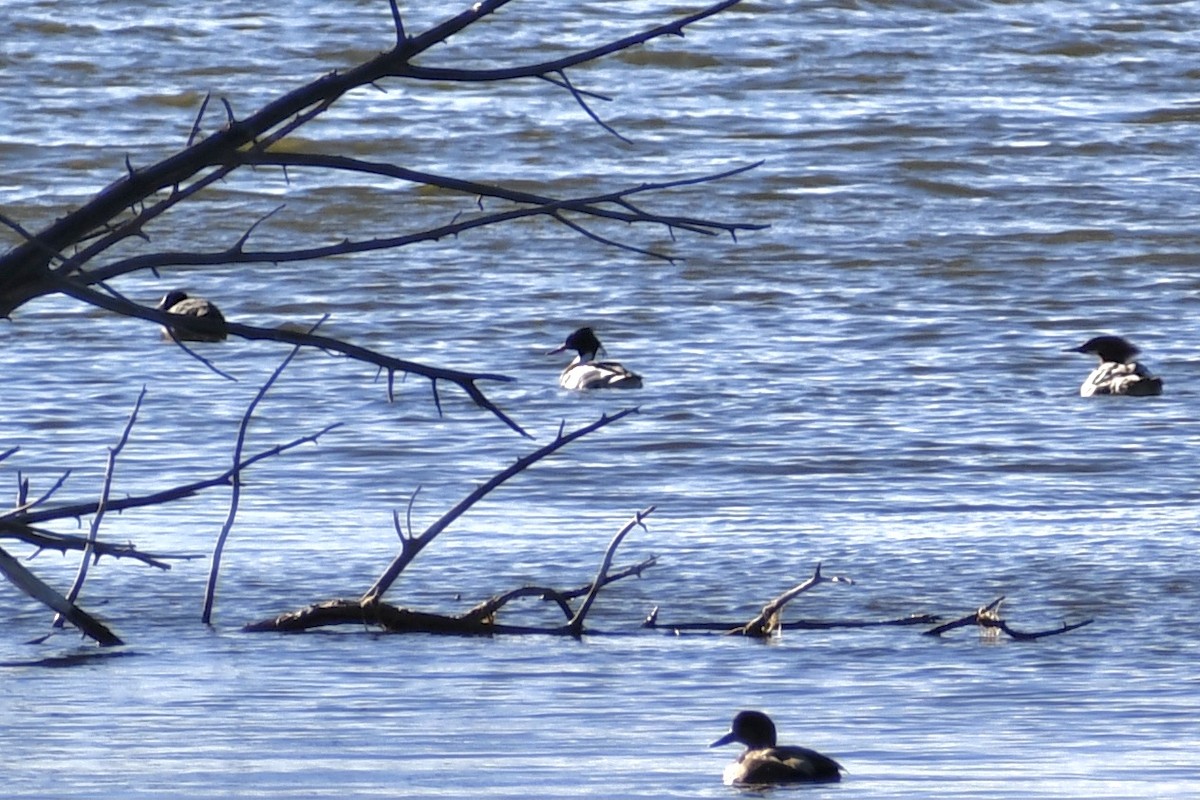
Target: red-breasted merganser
{"points": [[764, 762], [1118, 373], [211, 330], [585, 372]]}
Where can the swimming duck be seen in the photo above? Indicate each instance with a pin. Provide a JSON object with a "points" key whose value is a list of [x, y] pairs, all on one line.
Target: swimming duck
{"points": [[585, 372], [1117, 373], [177, 302], [764, 762]]}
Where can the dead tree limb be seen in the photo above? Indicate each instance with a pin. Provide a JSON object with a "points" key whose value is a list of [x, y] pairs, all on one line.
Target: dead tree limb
{"points": [[769, 619], [651, 622], [575, 626], [17, 524], [480, 620], [101, 506], [235, 481], [66, 256], [411, 546], [489, 608], [988, 618], [63, 542], [33, 586], [467, 381]]}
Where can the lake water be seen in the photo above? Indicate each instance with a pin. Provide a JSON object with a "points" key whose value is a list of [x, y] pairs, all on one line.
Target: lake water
{"points": [[956, 192]]}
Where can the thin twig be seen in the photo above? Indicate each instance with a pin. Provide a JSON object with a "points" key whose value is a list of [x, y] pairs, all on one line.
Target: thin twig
{"points": [[25, 506], [566, 82], [236, 480], [199, 118], [101, 506]]}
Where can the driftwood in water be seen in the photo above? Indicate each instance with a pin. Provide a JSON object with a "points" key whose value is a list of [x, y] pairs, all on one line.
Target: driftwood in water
{"points": [[371, 610], [769, 621], [988, 618], [478, 621]]}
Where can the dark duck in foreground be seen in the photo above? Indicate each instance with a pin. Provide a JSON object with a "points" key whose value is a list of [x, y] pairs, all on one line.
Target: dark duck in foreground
{"points": [[1118, 372], [585, 372], [212, 322], [764, 762]]}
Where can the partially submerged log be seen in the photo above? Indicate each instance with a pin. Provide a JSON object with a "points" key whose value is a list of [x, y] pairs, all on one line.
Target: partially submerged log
{"points": [[769, 621], [478, 621], [989, 620]]}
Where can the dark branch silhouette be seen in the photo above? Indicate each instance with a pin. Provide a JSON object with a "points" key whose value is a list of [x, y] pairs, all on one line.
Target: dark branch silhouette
{"points": [[411, 546], [989, 620], [66, 256], [370, 609]]}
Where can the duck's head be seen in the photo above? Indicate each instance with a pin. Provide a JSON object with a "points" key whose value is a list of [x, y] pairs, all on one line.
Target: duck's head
{"points": [[582, 341], [1108, 348], [752, 728], [171, 299]]}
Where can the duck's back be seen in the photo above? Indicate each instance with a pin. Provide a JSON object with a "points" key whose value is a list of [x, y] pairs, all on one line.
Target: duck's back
{"points": [[599, 375], [783, 765], [1113, 378]]}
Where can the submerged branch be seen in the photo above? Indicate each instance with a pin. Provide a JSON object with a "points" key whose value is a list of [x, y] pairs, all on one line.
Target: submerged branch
{"points": [[988, 618], [33, 586]]}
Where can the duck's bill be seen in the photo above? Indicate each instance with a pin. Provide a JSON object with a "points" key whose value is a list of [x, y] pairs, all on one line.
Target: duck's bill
{"points": [[724, 740]]}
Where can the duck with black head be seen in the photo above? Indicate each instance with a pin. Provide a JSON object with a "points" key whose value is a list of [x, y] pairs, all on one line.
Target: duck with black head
{"points": [[1118, 371], [210, 325], [765, 762], [585, 372]]}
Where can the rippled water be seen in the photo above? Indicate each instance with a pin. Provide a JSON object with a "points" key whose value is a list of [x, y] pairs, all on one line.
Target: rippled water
{"points": [[955, 193]]}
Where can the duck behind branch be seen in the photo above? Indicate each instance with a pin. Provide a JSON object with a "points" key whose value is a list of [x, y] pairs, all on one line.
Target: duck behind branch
{"points": [[585, 372], [212, 321], [764, 762], [1118, 372]]}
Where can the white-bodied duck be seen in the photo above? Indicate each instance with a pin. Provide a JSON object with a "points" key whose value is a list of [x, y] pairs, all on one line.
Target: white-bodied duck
{"points": [[212, 329], [765, 762], [1118, 372], [585, 372]]}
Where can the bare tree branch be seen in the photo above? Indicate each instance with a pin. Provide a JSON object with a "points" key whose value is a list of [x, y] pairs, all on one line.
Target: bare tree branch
{"points": [[33, 586], [210, 589], [78, 510], [769, 619], [464, 380], [988, 618], [575, 626], [101, 507], [412, 546]]}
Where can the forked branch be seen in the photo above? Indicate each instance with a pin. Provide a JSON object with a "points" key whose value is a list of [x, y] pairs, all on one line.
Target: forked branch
{"points": [[988, 619], [411, 546]]}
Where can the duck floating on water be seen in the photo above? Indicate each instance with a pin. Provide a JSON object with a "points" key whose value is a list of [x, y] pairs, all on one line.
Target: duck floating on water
{"points": [[764, 762], [1118, 372], [177, 302], [585, 372]]}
